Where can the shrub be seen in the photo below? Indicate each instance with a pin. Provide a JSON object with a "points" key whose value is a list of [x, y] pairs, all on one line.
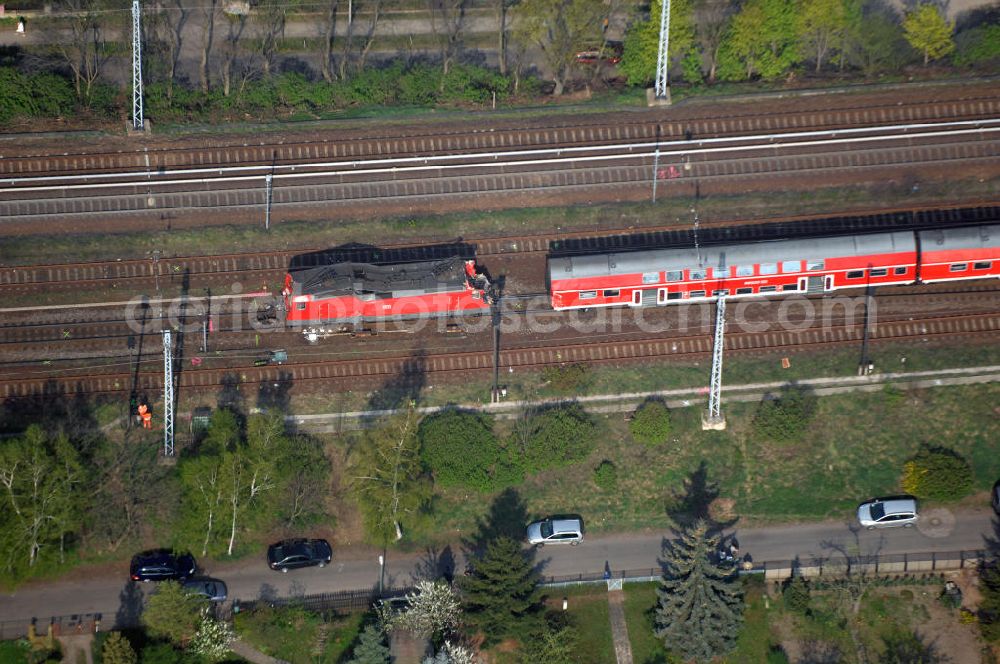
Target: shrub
{"points": [[978, 46], [567, 378], [785, 418], [937, 473], [651, 423], [606, 476], [559, 436], [460, 449], [419, 86], [796, 594]]}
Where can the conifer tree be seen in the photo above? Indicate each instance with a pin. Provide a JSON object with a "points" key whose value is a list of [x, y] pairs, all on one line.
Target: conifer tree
{"points": [[502, 590], [371, 648], [700, 607]]}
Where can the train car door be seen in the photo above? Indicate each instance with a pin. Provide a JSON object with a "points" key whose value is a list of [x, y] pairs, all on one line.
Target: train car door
{"points": [[649, 297], [815, 284]]}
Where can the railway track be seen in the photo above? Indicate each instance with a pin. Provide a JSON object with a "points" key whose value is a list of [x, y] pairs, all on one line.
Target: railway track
{"points": [[380, 368], [600, 172], [271, 266]]}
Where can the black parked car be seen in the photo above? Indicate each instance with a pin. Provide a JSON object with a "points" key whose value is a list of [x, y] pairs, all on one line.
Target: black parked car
{"points": [[161, 565], [295, 553], [213, 590]]}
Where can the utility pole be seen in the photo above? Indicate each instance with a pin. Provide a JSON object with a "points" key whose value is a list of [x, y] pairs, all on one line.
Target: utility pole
{"points": [[866, 366], [138, 123], [168, 396], [662, 86], [713, 419], [267, 201]]}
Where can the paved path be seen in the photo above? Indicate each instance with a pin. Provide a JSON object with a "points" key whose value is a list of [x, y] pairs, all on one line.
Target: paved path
{"points": [[619, 627], [249, 653]]}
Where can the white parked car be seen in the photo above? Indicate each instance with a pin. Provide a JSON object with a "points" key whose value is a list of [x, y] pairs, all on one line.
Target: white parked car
{"points": [[556, 530], [888, 513]]}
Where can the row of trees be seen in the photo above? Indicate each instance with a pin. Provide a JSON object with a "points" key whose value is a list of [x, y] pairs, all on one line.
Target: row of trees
{"points": [[718, 39], [241, 63], [90, 491]]}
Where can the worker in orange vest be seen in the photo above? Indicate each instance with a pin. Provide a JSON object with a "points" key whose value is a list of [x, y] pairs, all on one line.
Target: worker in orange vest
{"points": [[147, 417]]}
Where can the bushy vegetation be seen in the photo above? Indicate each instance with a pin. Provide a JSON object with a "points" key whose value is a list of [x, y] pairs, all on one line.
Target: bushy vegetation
{"points": [[606, 476], [558, 436], [650, 424], [937, 473], [38, 95], [567, 378], [785, 417], [461, 449], [795, 592], [396, 84]]}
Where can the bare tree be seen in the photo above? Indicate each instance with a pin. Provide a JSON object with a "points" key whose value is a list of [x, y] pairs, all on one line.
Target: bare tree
{"points": [[83, 47], [269, 20], [164, 27], [210, 10], [711, 21], [367, 36], [329, 34], [559, 28], [447, 20], [230, 54]]}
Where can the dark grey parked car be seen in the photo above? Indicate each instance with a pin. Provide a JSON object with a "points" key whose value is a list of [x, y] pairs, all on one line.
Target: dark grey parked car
{"points": [[162, 565], [213, 590], [295, 553]]}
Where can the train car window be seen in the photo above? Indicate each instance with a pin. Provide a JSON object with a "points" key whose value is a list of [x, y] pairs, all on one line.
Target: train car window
{"points": [[879, 271], [612, 293], [744, 270], [982, 265], [898, 271], [855, 274], [650, 277], [769, 268], [958, 267], [744, 291], [717, 293], [791, 266], [697, 293], [588, 294], [815, 266], [300, 306], [675, 275], [768, 289], [674, 296], [698, 274], [789, 287]]}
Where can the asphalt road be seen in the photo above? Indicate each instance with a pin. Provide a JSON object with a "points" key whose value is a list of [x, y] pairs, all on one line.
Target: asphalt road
{"points": [[109, 593]]}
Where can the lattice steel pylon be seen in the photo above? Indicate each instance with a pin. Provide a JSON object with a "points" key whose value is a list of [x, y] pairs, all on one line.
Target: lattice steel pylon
{"points": [[168, 396], [137, 119], [662, 60], [714, 418]]}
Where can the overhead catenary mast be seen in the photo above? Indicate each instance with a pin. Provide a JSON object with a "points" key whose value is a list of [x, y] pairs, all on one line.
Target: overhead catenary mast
{"points": [[137, 119]]}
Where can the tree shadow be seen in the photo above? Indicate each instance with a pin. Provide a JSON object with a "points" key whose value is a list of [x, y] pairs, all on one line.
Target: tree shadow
{"points": [[436, 564], [694, 502], [402, 389], [275, 394], [230, 397], [130, 601], [507, 517], [820, 652]]}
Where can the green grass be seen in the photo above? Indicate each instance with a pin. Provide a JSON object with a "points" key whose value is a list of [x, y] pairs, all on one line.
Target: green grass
{"points": [[588, 608], [640, 600], [14, 652], [854, 447], [294, 634]]}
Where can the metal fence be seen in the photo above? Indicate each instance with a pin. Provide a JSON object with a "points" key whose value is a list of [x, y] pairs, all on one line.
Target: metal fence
{"points": [[360, 600]]}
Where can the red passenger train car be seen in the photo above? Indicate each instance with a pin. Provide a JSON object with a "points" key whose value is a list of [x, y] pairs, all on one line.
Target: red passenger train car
{"points": [[817, 265], [355, 293]]}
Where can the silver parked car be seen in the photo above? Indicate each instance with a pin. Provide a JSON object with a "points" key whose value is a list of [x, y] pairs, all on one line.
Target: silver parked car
{"points": [[556, 530], [213, 590], [888, 513]]}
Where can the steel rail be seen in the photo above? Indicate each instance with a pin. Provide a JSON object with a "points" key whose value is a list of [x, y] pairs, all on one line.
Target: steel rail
{"points": [[489, 159], [63, 382]]}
